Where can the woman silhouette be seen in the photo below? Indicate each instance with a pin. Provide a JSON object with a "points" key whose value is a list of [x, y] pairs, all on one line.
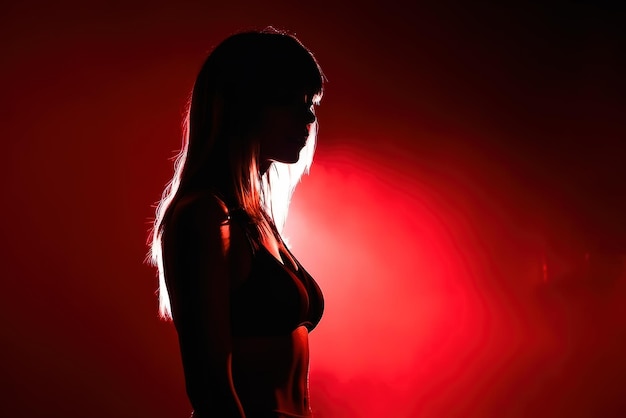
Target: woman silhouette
{"points": [[241, 303]]}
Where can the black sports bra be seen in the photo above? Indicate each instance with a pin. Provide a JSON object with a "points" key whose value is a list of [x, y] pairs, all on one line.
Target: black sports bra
{"points": [[275, 299]]}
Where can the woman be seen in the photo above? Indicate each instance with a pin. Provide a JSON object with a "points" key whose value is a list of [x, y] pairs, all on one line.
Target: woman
{"points": [[241, 303]]}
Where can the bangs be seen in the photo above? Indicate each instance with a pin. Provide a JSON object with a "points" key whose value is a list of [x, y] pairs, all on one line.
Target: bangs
{"points": [[289, 69], [264, 66]]}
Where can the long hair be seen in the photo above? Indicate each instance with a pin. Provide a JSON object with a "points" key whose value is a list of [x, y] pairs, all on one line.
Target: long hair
{"points": [[245, 73]]}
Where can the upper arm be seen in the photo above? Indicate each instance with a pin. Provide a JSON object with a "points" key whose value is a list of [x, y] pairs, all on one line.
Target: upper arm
{"points": [[198, 253], [195, 248]]}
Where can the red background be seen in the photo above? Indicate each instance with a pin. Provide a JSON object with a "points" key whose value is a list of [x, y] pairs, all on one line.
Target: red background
{"points": [[464, 215]]}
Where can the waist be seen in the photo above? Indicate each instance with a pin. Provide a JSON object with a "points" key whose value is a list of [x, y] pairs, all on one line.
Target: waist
{"points": [[270, 374]]}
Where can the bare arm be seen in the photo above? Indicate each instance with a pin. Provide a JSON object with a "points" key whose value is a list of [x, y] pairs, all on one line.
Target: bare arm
{"points": [[196, 247]]}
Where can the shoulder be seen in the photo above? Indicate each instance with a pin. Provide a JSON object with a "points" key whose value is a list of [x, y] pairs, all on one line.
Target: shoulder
{"points": [[200, 235], [194, 218], [199, 209]]}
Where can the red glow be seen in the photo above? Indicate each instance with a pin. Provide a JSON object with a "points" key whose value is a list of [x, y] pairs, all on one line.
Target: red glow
{"points": [[417, 315]]}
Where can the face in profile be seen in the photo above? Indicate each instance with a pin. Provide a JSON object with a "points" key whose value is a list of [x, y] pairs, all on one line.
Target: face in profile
{"points": [[285, 127]]}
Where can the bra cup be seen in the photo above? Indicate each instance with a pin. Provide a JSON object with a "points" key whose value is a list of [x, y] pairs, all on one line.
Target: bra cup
{"points": [[275, 298]]}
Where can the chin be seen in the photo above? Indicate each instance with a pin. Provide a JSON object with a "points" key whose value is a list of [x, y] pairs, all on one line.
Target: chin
{"points": [[289, 160], [289, 156]]}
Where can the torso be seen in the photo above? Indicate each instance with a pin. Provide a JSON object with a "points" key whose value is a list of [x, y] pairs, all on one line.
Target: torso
{"points": [[274, 305]]}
